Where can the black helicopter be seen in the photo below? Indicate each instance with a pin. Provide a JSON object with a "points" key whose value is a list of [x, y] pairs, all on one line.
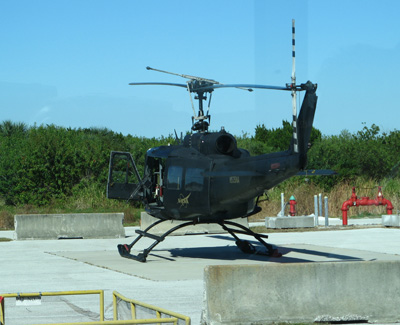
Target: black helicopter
{"points": [[207, 178]]}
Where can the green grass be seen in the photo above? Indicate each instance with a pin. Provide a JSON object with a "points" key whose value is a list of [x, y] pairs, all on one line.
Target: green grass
{"points": [[90, 200]]}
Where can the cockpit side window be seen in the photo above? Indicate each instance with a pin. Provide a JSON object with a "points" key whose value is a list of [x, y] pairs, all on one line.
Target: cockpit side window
{"points": [[174, 180], [194, 179]]}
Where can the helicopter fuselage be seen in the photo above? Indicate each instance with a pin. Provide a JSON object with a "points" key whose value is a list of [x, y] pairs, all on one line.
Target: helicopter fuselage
{"points": [[207, 182], [206, 179]]}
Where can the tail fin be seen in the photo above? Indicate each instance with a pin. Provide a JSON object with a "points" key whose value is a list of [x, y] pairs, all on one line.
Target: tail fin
{"points": [[305, 120]]}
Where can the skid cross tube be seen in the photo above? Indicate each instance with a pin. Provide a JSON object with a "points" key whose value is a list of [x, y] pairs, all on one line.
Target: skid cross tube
{"points": [[243, 245], [124, 250]]}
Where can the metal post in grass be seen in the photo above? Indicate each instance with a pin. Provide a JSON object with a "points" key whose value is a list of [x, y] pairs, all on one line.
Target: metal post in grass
{"points": [[320, 203], [326, 212]]}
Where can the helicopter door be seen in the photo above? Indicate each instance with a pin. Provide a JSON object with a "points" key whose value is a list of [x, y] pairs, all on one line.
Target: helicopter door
{"points": [[186, 190], [123, 177]]}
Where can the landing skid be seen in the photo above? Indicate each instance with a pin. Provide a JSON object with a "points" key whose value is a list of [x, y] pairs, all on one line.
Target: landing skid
{"points": [[245, 246]]}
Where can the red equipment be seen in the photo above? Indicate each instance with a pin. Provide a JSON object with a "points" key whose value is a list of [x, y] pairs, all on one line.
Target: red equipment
{"points": [[292, 203], [365, 200]]}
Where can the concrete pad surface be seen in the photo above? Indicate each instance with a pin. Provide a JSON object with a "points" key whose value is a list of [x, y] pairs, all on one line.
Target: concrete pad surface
{"points": [[191, 261], [173, 276]]}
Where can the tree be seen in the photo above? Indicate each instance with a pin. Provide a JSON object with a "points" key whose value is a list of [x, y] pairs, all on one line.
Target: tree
{"points": [[279, 139]]}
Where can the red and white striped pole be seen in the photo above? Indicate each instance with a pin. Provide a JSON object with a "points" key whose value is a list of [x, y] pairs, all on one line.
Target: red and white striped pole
{"points": [[295, 142]]}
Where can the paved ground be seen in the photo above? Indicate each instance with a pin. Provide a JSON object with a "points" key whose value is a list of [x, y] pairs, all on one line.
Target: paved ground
{"points": [[173, 276]]}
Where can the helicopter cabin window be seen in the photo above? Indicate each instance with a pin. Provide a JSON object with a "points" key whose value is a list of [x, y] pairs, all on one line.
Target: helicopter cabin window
{"points": [[194, 179], [174, 180]]}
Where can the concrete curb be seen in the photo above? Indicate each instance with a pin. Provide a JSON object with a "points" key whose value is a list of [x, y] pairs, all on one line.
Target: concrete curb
{"points": [[290, 222], [75, 225], [303, 292], [391, 220]]}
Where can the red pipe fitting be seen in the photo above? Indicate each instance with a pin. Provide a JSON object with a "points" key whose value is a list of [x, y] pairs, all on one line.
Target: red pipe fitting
{"points": [[365, 200], [345, 207]]}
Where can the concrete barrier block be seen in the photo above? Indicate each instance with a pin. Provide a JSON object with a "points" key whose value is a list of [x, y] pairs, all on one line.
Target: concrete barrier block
{"points": [[302, 292], [391, 220], [290, 222], [210, 228], [76, 225]]}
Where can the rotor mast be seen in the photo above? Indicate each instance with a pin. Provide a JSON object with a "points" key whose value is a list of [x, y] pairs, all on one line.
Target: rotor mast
{"points": [[200, 86]]}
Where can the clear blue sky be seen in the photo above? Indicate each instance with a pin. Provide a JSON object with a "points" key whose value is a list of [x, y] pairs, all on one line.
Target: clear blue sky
{"points": [[69, 62]]}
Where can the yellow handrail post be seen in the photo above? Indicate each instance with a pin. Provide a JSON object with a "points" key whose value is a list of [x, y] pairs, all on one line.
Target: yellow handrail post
{"points": [[101, 305], [115, 311], [133, 310]]}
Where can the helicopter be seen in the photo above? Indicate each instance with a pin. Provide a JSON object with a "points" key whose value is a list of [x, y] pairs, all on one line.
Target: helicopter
{"points": [[207, 178]]}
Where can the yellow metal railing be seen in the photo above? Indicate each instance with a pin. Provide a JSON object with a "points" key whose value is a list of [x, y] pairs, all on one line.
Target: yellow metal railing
{"points": [[123, 322], [171, 317], [158, 311], [58, 293]]}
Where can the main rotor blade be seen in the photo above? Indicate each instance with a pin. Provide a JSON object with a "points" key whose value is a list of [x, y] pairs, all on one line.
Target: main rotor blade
{"points": [[249, 86], [158, 84]]}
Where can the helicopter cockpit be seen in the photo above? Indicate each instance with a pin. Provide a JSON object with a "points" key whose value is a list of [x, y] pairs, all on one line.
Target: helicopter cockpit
{"points": [[171, 184]]}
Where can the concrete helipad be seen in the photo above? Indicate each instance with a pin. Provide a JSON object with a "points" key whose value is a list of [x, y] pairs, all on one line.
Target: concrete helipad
{"points": [[173, 276]]}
